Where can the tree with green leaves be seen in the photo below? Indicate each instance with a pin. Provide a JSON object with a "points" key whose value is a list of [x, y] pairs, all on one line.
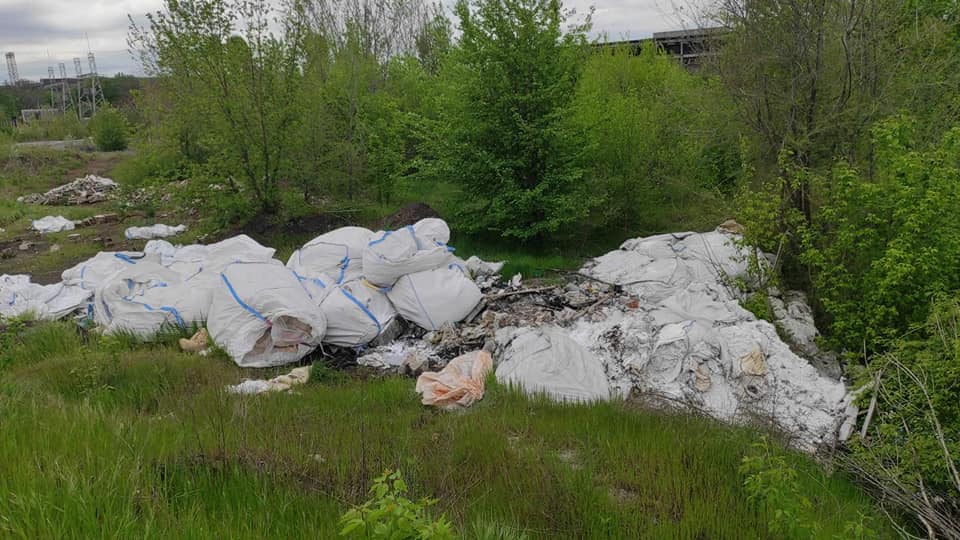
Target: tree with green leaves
{"points": [[232, 85], [503, 138]]}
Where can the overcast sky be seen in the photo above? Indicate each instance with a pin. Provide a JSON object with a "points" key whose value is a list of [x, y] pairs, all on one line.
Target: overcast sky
{"points": [[45, 32]]}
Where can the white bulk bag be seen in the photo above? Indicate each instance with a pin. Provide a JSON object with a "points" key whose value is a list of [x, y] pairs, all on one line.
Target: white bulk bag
{"points": [[240, 248], [356, 314], [338, 254], [433, 229], [435, 297], [263, 316], [143, 298], [93, 272], [392, 254], [545, 360]]}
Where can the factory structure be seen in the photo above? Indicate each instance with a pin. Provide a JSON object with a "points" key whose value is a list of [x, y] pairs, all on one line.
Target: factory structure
{"points": [[78, 93]]}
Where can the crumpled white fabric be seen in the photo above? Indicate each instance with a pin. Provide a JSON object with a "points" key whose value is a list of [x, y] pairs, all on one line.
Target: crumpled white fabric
{"points": [[52, 224], [153, 231]]}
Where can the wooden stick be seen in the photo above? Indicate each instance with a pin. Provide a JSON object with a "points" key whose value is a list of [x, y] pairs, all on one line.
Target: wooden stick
{"points": [[873, 405], [524, 291]]}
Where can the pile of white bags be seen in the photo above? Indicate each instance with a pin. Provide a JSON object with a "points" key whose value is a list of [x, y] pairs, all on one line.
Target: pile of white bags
{"points": [[337, 253], [424, 281], [342, 288]]}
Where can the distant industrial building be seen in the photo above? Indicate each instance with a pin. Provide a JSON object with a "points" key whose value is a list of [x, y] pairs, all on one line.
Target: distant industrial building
{"points": [[691, 47]]}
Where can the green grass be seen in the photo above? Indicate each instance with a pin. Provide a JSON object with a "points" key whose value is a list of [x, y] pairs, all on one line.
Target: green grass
{"points": [[105, 437]]}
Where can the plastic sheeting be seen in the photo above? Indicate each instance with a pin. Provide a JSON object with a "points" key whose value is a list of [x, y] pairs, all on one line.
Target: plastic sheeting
{"points": [[52, 224], [153, 231], [458, 385], [338, 254], [657, 267], [435, 297], [546, 361], [262, 315]]}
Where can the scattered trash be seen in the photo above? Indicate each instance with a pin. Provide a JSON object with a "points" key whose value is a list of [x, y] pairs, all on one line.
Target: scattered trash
{"points": [[153, 231], [459, 384], [87, 190], [52, 224], [281, 383], [658, 320], [197, 343]]}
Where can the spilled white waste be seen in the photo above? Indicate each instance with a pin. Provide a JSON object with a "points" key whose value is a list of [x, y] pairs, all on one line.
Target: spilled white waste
{"points": [[688, 342]]}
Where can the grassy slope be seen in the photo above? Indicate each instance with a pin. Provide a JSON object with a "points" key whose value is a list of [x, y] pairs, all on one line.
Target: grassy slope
{"points": [[105, 438]]}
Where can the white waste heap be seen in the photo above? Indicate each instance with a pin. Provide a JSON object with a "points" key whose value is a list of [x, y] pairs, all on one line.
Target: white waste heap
{"points": [[683, 340], [52, 224], [260, 311], [690, 342]]}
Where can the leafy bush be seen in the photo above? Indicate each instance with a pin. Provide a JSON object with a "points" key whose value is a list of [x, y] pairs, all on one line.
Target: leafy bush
{"points": [[390, 515], [58, 128], [912, 443], [109, 129], [773, 483], [662, 142], [887, 243]]}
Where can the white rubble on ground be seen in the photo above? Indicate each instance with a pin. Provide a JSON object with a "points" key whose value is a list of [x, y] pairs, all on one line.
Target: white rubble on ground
{"points": [[52, 224], [688, 341], [153, 231], [87, 190]]}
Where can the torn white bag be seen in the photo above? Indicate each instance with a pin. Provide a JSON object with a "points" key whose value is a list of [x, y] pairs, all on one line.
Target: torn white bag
{"points": [[262, 315]]}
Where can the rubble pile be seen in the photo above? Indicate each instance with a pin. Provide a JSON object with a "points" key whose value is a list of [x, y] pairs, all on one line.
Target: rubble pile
{"points": [[87, 190]]}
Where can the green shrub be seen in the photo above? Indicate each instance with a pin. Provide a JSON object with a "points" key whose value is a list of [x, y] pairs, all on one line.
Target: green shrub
{"points": [[912, 444], [390, 515], [886, 244], [773, 483], [662, 142], [109, 129], [58, 128]]}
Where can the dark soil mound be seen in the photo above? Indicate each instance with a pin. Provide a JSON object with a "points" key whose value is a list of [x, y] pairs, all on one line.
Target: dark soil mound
{"points": [[408, 215]]}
